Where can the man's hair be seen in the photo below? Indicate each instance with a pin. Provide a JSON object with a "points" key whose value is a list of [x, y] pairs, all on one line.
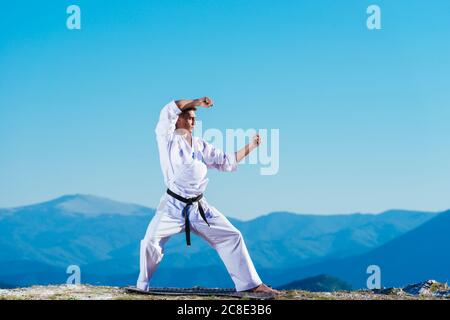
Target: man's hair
{"points": [[185, 111]]}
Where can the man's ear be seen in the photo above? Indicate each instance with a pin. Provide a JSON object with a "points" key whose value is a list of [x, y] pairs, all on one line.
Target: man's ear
{"points": [[180, 118]]}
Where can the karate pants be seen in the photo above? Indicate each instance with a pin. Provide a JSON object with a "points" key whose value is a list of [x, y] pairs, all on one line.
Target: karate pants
{"points": [[221, 235]]}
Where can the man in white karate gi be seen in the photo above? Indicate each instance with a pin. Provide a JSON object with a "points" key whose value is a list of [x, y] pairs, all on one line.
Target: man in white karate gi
{"points": [[185, 161]]}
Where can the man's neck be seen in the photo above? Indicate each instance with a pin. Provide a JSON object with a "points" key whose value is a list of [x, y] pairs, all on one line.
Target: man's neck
{"points": [[188, 137]]}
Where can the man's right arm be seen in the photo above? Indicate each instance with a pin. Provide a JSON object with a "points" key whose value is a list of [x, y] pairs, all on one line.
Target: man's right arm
{"points": [[168, 119], [170, 113], [184, 104], [201, 102]]}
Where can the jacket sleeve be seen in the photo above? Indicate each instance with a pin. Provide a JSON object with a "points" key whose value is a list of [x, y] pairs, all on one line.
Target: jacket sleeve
{"points": [[217, 159], [167, 120]]}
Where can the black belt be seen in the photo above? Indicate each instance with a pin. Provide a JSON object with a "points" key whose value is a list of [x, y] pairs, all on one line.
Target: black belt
{"points": [[185, 213]]}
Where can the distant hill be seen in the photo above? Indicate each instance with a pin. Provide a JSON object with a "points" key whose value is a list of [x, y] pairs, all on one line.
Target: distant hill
{"points": [[293, 240], [418, 254], [76, 229], [6, 286], [24, 273], [320, 283], [102, 236]]}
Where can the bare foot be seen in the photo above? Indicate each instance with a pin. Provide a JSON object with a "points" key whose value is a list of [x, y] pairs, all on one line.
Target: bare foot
{"points": [[264, 289]]}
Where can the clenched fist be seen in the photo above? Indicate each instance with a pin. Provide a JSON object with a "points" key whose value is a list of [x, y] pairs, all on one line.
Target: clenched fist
{"points": [[203, 102], [256, 140]]}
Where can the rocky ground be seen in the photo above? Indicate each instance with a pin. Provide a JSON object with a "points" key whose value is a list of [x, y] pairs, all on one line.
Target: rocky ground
{"points": [[428, 290]]}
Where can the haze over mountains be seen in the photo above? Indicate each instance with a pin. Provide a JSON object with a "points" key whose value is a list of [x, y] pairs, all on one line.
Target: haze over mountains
{"points": [[102, 236], [422, 253]]}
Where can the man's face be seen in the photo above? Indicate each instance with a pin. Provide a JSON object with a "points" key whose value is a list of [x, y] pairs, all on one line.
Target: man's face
{"points": [[186, 121]]}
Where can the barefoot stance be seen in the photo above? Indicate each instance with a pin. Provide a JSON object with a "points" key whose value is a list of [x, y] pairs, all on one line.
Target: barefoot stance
{"points": [[264, 289]]}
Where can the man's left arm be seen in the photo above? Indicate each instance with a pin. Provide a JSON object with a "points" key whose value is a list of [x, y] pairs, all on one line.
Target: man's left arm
{"points": [[245, 151], [228, 162], [217, 159]]}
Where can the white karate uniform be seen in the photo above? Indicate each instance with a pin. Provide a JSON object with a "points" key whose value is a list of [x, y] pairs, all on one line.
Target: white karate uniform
{"points": [[184, 169]]}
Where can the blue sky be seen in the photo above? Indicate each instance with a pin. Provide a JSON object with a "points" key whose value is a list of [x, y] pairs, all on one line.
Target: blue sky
{"points": [[363, 115]]}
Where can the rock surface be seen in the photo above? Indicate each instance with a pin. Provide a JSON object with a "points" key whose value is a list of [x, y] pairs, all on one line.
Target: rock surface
{"points": [[426, 290]]}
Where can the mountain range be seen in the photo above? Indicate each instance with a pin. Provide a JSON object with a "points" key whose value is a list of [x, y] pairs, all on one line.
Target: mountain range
{"points": [[102, 236], [422, 253]]}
